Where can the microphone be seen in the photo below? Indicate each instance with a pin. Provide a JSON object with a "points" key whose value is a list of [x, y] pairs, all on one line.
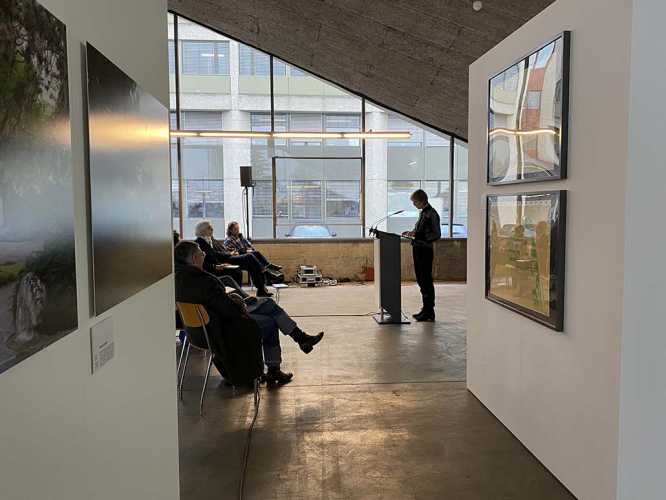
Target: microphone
{"points": [[373, 229]]}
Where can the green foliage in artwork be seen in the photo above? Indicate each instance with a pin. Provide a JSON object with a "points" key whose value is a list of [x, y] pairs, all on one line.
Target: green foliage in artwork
{"points": [[10, 272], [33, 59]]}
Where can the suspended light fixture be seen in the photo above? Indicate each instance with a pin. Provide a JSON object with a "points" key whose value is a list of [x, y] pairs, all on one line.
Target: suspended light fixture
{"points": [[241, 134]]}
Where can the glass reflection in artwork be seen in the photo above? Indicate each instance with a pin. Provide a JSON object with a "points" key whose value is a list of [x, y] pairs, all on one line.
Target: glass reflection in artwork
{"points": [[527, 117], [37, 263], [526, 252]]}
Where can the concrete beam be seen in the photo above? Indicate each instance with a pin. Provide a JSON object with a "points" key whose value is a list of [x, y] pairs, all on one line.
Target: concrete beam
{"points": [[409, 55]]}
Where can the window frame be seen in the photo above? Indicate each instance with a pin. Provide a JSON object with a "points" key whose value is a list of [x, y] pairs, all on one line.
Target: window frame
{"points": [[296, 72]]}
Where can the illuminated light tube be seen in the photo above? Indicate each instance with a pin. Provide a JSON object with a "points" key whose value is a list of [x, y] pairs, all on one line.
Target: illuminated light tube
{"points": [[180, 133], [293, 135], [377, 135], [307, 135], [508, 131], [235, 134]]}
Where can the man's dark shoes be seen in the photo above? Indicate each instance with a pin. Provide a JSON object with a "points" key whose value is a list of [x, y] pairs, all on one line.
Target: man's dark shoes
{"points": [[425, 316], [420, 313], [306, 342], [275, 376], [274, 267], [264, 293]]}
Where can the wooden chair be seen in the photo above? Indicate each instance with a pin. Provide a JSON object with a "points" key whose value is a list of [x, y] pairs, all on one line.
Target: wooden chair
{"points": [[193, 316]]}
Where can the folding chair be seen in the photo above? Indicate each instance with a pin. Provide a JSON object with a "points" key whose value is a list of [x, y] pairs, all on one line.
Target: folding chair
{"points": [[194, 316]]}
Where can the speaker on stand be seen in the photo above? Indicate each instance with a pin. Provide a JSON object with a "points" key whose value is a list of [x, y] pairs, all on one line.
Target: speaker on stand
{"points": [[246, 183]]}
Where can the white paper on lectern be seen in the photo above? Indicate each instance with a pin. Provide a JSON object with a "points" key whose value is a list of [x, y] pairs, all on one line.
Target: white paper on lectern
{"points": [[101, 343]]}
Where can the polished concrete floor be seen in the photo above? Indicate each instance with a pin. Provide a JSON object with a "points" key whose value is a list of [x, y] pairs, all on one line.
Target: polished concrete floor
{"points": [[375, 412]]}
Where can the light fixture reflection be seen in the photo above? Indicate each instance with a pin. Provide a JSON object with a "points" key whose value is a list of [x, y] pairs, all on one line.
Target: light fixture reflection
{"points": [[508, 131]]}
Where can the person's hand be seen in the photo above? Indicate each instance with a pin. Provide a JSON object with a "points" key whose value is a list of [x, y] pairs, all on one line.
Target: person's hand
{"points": [[238, 300], [235, 252]]}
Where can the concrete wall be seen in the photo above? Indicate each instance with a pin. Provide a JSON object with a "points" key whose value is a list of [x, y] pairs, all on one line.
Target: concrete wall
{"points": [[558, 393], [643, 399], [349, 259], [64, 433]]}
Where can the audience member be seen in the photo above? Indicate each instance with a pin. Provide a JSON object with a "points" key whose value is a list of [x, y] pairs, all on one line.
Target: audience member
{"points": [[195, 285], [217, 257], [237, 244]]}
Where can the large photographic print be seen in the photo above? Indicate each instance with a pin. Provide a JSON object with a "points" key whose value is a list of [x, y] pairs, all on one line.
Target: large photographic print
{"points": [[528, 117], [37, 265], [130, 184], [525, 248]]}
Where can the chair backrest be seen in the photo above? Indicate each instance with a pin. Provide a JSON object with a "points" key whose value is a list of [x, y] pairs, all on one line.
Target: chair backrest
{"points": [[193, 315]]}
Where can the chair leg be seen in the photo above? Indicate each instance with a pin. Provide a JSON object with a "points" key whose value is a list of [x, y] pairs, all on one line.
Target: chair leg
{"points": [[203, 389], [182, 376], [180, 359]]}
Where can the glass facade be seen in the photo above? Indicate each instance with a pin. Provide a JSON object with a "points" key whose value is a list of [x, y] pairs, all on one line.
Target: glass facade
{"points": [[303, 187]]}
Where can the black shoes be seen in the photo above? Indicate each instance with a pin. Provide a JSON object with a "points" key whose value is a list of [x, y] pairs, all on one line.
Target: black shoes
{"points": [[306, 342], [275, 376], [264, 293], [274, 267], [424, 316]]}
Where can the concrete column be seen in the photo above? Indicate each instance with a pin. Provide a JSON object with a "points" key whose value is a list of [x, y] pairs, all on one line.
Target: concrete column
{"points": [[376, 195], [236, 153]]}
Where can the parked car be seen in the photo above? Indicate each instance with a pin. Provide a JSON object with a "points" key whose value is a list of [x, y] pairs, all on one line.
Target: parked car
{"points": [[310, 231]]}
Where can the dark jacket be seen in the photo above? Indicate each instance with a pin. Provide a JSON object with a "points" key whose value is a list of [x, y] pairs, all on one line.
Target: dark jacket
{"points": [[200, 287], [427, 228], [234, 336], [214, 256]]}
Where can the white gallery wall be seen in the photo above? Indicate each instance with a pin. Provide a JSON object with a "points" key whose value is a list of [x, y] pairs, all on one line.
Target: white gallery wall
{"points": [[64, 433], [643, 388], [559, 392]]}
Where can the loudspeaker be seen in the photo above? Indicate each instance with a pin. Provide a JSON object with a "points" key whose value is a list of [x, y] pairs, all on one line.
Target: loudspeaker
{"points": [[246, 176]]}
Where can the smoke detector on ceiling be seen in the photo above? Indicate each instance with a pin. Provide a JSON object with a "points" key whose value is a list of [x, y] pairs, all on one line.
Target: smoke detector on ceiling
{"points": [[477, 5]]}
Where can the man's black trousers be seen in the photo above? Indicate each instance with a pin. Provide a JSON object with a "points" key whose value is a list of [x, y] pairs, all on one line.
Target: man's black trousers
{"points": [[423, 257]]}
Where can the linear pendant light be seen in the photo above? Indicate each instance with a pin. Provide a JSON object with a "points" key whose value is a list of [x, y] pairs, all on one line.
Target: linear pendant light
{"points": [[244, 134]]}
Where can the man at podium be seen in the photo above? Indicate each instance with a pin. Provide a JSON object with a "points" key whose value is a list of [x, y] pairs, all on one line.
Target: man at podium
{"points": [[426, 231]]}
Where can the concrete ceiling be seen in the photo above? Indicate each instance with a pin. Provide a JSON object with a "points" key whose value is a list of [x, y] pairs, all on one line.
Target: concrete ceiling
{"points": [[409, 55]]}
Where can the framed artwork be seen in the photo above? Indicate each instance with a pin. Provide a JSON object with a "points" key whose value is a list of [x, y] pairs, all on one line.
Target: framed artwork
{"points": [[130, 184], [528, 116], [525, 251], [37, 260]]}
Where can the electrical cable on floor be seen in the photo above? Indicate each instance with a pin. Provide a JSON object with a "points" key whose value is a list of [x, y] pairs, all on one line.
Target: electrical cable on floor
{"points": [[246, 452], [332, 315]]}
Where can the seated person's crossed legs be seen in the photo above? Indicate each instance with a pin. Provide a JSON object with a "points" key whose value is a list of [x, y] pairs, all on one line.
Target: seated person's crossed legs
{"points": [[194, 285]]}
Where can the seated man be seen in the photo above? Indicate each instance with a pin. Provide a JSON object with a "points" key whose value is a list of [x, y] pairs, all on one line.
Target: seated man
{"points": [[227, 280], [194, 285], [217, 257], [238, 245]]}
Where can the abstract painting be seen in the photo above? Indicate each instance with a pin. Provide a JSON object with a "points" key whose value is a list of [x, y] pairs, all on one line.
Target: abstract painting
{"points": [[525, 248], [37, 261], [528, 117], [130, 184]]}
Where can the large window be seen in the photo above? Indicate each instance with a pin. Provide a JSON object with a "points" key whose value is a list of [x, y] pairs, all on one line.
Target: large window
{"points": [[205, 58], [303, 187]]}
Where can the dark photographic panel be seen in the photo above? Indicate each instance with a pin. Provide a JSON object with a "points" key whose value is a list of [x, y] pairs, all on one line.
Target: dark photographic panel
{"points": [[525, 254], [37, 264], [527, 117], [130, 184]]}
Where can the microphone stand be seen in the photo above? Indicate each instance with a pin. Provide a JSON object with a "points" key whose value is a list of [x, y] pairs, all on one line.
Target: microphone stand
{"points": [[373, 230]]}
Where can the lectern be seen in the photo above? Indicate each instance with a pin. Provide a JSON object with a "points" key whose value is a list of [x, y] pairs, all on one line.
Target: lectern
{"points": [[387, 278]]}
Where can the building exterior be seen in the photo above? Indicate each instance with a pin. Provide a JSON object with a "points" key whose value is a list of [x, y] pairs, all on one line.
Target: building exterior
{"points": [[303, 187]]}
